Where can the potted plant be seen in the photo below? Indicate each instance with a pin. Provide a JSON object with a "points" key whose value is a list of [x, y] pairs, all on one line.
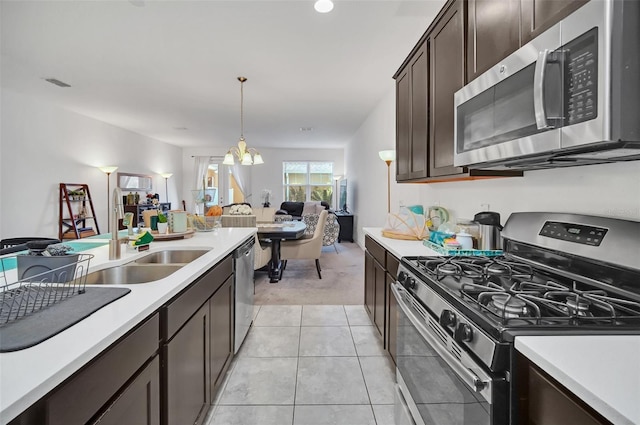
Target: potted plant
{"points": [[163, 226]]}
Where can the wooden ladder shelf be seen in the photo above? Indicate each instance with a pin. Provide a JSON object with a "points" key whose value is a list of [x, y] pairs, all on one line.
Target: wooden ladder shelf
{"points": [[76, 212]]}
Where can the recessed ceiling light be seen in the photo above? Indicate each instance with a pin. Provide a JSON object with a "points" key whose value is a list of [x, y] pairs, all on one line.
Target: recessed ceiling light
{"points": [[305, 129], [323, 6], [56, 82]]}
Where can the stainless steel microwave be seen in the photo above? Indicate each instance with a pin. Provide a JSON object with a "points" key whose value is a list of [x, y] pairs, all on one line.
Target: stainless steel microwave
{"points": [[569, 97]]}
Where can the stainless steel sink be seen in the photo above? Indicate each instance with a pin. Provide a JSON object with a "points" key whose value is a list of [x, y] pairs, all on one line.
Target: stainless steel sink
{"points": [[131, 274], [172, 256]]}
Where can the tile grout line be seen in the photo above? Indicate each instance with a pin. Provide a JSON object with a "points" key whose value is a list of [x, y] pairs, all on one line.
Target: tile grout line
{"points": [[295, 386]]}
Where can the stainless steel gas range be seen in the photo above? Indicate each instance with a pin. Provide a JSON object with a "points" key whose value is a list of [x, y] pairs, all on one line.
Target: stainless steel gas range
{"points": [[458, 316]]}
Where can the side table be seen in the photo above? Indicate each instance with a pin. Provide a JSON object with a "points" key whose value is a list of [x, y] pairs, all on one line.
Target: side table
{"points": [[345, 220]]}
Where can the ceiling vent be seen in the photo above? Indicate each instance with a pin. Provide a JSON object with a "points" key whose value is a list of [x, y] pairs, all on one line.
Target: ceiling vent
{"points": [[57, 82]]}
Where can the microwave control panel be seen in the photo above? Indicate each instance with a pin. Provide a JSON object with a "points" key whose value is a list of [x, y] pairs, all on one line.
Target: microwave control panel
{"points": [[581, 57], [578, 233]]}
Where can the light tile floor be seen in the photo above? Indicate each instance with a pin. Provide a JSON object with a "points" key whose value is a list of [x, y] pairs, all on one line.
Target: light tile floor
{"points": [[308, 365]]}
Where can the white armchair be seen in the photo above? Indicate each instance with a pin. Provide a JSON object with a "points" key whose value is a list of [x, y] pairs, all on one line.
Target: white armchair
{"points": [[306, 248], [262, 255]]}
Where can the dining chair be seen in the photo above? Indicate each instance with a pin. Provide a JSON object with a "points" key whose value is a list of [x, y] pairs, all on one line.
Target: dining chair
{"points": [[306, 248], [262, 254]]}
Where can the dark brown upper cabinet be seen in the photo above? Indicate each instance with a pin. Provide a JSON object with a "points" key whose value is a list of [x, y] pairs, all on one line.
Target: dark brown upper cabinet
{"points": [[446, 46], [493, 33], [466, 38], [539, 15], [412, 96]]}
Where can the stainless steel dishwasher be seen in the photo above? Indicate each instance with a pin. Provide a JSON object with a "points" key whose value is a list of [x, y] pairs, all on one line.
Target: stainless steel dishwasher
{"points": [[243, 265]]}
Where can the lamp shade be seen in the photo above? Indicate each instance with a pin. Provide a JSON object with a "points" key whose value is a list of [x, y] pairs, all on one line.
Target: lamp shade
{"points": [[228, 159], [108, 169], [388, 155], [166, 175]]}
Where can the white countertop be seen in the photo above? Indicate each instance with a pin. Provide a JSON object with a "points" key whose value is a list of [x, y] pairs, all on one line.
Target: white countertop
{"points": [[29, 374], [602, 370], [398, 247]]}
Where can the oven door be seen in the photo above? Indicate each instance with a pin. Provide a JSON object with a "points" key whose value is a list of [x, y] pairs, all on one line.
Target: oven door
{"points": [[439, 382]]}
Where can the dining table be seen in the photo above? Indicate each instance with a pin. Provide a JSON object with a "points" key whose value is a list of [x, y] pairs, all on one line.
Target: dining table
{"points": [[277, 232]]}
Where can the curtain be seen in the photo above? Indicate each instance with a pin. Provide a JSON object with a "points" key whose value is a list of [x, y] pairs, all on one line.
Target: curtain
{"points": [[200, 174], [242, 175]]}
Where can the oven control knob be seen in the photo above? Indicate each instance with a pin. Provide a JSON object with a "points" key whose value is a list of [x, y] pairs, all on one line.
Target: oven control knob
{"points": [[402, 276], [410, 283], [463, 333], [447, 318]]}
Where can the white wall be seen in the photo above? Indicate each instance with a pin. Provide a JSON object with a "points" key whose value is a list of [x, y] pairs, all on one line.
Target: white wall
{"points": [[267, 175], [611, 190], [42, 145]]}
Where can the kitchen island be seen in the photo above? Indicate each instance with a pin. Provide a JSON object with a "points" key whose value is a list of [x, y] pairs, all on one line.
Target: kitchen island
{"points": [[28, 375]]}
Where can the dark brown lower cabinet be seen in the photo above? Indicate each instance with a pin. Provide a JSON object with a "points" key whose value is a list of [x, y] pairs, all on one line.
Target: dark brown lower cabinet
{"points": [[544, 401], [139, 404], [392, 321], [221, 333], [391, 309], [380, 270], [374, 284], [369, 284], [104, 389], [187, 368], [198, 347]]}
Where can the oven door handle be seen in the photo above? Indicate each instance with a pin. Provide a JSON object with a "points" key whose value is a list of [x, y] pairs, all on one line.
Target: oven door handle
{"points": [[468, 376]]}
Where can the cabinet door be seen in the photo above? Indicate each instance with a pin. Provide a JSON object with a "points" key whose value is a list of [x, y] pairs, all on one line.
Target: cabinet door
{"points": [[446, 46], [539, 15], [379, 297], [187, 371], [412, 94], [493, 33], [221, 333], [140, 401], [369, 283], [392, 319]]}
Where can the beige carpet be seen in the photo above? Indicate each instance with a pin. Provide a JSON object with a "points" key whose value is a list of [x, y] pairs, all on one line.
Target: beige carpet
{"points": [[342, 280]]}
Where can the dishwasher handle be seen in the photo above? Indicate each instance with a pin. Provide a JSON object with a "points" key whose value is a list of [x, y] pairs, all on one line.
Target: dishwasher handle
{"points": [[244, 249]]}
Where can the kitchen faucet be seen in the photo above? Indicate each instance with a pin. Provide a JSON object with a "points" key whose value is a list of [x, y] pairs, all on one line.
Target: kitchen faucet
{"points": [[116, 214]]}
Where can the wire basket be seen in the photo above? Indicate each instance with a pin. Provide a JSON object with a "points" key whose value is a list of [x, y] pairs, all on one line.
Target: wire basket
{"points": [[30, 283], [205, 223]]}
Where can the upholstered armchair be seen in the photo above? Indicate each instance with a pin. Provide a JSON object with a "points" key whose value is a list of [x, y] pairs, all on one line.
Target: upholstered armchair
{"points": [[331, 231], [262, 254], [264, 215], [307, 248]]}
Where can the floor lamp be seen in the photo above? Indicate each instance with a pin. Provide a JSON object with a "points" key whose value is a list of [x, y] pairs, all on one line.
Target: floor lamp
{"points": [[337, 179], [166, 184], [388, 157], [108, 170]]}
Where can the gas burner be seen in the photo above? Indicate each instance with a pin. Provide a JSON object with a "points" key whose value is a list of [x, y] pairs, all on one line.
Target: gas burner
{"points": [[448, 269], [579, 306], [508, 306]]}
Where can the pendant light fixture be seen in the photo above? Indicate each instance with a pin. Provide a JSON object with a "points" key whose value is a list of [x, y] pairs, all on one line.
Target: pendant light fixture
{"points": [[246, 156]]}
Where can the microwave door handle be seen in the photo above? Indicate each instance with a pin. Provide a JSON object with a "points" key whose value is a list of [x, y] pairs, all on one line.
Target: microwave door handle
{"points": [[538, 90], [470, 378]]}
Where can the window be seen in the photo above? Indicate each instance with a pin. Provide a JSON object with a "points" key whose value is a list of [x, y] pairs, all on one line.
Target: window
{"points": [[308, 181]]}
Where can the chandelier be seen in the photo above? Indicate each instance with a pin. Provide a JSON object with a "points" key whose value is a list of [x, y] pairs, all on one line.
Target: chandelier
{"points": [[246, 156]]}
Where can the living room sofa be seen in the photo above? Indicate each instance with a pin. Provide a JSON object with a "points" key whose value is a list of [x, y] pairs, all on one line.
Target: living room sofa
{"points": [[298, 209]]}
